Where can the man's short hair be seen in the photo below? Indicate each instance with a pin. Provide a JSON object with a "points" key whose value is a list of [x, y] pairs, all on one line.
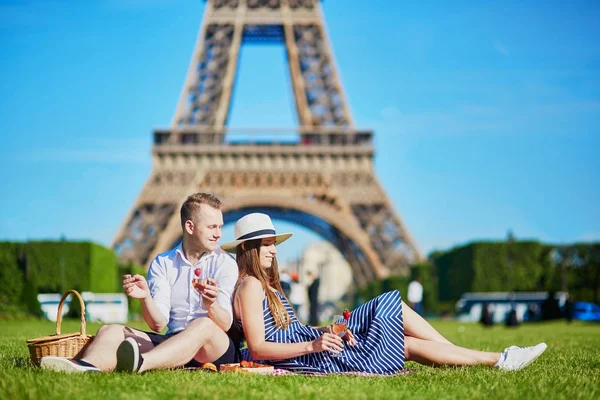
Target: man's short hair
{"points": [[193, 203]]}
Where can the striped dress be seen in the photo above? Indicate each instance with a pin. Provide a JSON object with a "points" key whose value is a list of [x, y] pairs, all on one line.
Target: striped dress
{"points": [[377, 327]]}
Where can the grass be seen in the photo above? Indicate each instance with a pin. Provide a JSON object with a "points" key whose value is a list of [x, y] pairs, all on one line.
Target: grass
{"points": [[570, 368]]}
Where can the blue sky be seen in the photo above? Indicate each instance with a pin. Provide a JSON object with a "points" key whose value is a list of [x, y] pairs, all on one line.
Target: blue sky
{"points": [[486, 114]]}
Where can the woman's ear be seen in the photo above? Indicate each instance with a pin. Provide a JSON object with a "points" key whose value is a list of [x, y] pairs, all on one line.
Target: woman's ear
{"points": [[243, 246]]}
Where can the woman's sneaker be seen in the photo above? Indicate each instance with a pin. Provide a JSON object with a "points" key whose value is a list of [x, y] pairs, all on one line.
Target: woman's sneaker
{"points": [[69, 366], [516, 358]]}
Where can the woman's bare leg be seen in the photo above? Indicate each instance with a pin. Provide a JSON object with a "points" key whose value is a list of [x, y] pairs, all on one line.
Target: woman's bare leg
{"points": [[434, 353], [417, 327]]}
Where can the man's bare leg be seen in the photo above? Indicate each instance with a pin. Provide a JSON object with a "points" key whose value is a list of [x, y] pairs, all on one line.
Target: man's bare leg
{"points": [[202, 340], [416, 326], [102, 351]]}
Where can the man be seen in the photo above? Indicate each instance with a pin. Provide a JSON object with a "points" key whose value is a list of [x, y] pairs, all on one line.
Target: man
{"points": [[415, 295], [298, 295], [196, 319], [286, 282], [313, 298]]}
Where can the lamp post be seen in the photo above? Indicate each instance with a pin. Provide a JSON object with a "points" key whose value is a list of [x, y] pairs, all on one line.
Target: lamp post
{"points": [[509, 260], [62, 263], [512, 319]]}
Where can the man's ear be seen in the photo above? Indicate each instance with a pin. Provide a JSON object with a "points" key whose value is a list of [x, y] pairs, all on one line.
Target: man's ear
{"points": [[189, 226]]}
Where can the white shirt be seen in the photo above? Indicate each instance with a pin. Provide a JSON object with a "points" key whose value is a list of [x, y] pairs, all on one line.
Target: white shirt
{"points": [[170, 281], [298, 294], [415, 292]]}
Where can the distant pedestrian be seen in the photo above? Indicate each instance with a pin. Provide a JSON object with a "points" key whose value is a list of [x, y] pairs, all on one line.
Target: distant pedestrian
{"points": [[487, 318], [415, 295], [569, 307], [313, 298], [286, 283], [298, 295]]}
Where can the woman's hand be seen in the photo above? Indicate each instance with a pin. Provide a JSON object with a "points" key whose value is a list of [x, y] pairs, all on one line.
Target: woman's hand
{"points": [[328, 342], [349, 337]]}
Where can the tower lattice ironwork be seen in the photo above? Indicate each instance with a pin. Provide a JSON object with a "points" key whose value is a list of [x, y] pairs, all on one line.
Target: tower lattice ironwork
{"points": [[324, 180]]}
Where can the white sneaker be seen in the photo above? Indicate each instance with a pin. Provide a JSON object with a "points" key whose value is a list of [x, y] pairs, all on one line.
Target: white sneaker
{"points": [[519, 357], [69, 366]]}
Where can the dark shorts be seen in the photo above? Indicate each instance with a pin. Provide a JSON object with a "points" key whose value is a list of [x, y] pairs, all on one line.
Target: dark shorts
{"points": [[232, 355]]}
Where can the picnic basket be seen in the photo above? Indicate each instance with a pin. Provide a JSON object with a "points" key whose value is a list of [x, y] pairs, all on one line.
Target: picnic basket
{"points": [[60, 345]]}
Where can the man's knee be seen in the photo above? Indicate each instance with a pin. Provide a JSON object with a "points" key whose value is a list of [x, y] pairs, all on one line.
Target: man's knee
{"points": [[116, 331], [202, 324]]}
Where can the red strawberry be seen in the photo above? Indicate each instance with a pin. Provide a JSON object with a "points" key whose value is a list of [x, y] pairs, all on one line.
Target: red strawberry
{"points": [[197, 271], [346, 314]]}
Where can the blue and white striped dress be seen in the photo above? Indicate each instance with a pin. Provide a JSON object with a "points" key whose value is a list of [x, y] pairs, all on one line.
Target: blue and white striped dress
{"points": [[377, 327]]}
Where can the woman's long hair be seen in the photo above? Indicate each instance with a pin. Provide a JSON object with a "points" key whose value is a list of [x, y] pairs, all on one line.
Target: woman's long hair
{"points": [[248, 262]]}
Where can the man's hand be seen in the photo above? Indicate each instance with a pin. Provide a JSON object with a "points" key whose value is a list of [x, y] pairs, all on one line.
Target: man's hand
{"points": [[209, 293], [135, 286]]}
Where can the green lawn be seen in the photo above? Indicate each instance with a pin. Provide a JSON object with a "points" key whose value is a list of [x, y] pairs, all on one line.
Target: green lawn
{"points": [[570, 368]]}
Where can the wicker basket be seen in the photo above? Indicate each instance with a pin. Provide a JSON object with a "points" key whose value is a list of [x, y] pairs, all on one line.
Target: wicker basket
{"points": [[61, 345]]}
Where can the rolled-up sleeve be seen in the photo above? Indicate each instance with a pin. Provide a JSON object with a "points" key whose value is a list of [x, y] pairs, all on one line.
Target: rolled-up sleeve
{"points": [[227, 278], [160, 289]]}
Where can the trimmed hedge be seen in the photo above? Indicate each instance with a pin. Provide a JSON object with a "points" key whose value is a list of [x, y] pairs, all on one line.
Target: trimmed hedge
{"points": [[488, 267], [11, 275], [134, 305], [500, 267], [54, 267], [519, 266], [426, 274]]}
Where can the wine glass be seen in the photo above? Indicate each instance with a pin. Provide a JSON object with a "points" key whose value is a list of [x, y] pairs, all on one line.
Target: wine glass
{"points": [[339, 327], [199, 283]]}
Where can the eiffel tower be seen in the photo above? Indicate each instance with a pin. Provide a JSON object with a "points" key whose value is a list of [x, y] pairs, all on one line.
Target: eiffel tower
{"points": [[324, 179]]}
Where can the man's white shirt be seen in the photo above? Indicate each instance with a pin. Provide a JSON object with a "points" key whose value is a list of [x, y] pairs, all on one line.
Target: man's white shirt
{"points": [[170, 281]]}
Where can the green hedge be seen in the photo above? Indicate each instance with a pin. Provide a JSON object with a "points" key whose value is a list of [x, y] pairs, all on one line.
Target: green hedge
{"points": [[500, 267], [518, 266], [54, 267], [134, 305], [426, 274], [104, 273], [11, 275]]}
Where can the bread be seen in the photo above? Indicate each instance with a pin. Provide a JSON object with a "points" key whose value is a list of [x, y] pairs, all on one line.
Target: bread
{"points": [[210, 367]]}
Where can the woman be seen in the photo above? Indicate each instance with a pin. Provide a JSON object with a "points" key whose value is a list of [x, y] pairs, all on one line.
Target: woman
{"points": [[382, 333]]}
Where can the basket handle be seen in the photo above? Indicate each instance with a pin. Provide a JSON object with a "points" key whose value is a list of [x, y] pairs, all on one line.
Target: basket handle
{"points": [[59, 314]]}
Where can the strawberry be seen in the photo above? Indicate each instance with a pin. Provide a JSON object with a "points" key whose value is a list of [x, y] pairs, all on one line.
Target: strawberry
{"points": [[346, 314], [197, 271]]}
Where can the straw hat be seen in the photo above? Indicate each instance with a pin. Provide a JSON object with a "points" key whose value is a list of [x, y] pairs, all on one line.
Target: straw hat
{"points": [[254, 226]]}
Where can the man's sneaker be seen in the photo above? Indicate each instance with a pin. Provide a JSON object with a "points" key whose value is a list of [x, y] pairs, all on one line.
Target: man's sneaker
{"points": [[129, 358], [74, 365], [516, 358]]}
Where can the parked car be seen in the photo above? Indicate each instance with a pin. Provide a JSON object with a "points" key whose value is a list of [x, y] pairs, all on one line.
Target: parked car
{"points": [[585, 311]]}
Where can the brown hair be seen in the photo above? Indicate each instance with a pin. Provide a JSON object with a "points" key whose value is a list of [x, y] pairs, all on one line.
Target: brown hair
{"points": [[248, 262], [193, 203]]}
